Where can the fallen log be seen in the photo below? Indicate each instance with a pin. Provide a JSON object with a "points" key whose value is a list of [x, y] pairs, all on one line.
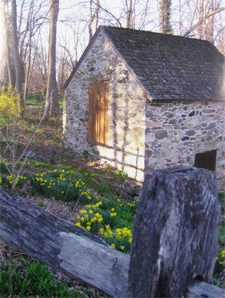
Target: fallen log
{"points": [[71, 249]]}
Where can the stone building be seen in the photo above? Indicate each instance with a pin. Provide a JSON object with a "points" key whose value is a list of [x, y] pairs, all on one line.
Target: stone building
{"points": [[144, 100]]}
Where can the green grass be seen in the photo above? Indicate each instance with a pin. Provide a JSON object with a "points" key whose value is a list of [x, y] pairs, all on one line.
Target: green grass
{"points": [[105, 214], [38, 99]]}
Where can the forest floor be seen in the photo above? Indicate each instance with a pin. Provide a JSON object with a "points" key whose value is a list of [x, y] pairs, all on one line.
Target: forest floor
{"points": [[48, 154]]}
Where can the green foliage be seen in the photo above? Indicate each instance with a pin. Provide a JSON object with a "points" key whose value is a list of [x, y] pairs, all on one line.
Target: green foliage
{"points": [[41, 204], [104, 188], [122, 175], [222, 197], [9, 103], [38, 280], [112, 220], [85, 153], [59, 185], [7, 180], [219, 266], [167, 19], [35, 99], [3, 168]]}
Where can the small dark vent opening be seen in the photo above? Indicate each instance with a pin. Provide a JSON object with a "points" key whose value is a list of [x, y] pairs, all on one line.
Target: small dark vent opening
{"points": [[199, 277], [206, 160]]}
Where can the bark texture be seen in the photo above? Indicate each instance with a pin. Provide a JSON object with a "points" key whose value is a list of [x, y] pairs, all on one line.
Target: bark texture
{"points": [[17, 60], [62, 245], [76, 252], [175, 232], [3, 53], [52, 102]]}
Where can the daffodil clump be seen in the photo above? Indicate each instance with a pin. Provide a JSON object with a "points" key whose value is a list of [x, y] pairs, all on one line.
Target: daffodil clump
{"points": [[59, 185], [220, 263], [20, 180], [120, 239], [90, 219], [99, 219], [221, 258]]}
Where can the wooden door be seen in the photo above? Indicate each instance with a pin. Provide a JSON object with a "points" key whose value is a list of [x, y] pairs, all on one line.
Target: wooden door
{"points": [[98, 112]]}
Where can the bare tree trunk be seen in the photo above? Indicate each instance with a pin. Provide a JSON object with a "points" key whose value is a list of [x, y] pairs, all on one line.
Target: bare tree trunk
{"points": [[201, 15], [3, 53], [17, 60], [9, 64], [29, 52], [96, 14], [94, 18], [91, 21], [52, 103], [180, 18], [129, 15], [161, 15]]}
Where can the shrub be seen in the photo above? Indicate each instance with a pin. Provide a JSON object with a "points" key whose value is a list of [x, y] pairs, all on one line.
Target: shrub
{"points": [[9, 103]]}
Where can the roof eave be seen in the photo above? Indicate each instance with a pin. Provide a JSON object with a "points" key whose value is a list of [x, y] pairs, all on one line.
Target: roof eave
{"points": [[147, 94], [62, 91]]}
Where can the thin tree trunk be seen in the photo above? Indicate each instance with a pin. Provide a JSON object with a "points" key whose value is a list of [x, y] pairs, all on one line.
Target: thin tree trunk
{"points": [[52, 103], [201, 13], [96, 14], [161, 15], [17, 60], [9, 64], [29, 53], [129, 15], [3, 53]]}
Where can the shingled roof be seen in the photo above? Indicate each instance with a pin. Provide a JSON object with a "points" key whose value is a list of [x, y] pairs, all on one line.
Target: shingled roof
{"points": [[169, 66]]}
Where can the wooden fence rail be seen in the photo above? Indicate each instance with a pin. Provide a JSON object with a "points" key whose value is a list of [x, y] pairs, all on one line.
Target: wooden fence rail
{"points": [[76, 252]]}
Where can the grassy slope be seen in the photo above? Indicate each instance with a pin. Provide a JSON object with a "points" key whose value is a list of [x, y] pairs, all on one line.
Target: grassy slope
{"points": [[50, 154]]}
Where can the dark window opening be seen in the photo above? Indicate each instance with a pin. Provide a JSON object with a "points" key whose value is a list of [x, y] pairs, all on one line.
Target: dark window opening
{"points": [[206, 160]]}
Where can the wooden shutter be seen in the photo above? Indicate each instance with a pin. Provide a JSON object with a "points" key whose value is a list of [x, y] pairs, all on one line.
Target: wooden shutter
{"points": [[206, 160], [98, 112]]}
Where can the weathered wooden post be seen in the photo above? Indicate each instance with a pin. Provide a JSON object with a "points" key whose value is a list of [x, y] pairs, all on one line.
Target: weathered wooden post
{"points": [[175, 232]]}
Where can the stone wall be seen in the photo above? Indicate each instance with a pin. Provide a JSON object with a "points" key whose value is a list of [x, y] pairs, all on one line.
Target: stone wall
{"points": [[175, 132], [126, 111], [141, 134]]}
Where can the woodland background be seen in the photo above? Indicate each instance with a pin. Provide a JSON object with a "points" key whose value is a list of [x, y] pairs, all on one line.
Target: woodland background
{"points": [[41, 41]]}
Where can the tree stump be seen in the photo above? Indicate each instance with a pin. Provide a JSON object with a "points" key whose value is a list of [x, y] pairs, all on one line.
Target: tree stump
{"points": [[175, 232]]}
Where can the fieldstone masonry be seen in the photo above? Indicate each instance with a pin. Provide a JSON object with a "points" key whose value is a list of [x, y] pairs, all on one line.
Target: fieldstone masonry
{"points": [[141, 134], [176, 131], [126, 111]]}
